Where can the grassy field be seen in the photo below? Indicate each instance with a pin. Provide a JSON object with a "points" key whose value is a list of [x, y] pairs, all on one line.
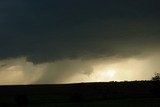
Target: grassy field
{"points": [[112, 94], [154, 102]]}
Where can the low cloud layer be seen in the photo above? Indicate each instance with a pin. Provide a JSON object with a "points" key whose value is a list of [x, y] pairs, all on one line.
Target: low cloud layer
{"points": [[20, 71]]}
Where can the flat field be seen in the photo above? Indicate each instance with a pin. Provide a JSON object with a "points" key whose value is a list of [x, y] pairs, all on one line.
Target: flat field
{"points": [[110, 94]]}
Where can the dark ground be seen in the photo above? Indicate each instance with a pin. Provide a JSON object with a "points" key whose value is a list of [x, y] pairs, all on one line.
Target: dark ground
{"points": [[111, 94]]}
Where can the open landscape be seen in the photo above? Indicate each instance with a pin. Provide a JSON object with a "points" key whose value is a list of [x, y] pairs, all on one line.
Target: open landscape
{"points": [[79, 53], [112, 94]]}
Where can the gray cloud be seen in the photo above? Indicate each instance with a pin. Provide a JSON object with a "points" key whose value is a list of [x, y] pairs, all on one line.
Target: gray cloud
{"points": [[60, 71], [20, 71], [60, 41], [46, 31]]}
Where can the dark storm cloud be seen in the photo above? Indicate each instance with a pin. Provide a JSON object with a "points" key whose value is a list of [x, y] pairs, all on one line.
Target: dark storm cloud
{"points": [[49, 30]]}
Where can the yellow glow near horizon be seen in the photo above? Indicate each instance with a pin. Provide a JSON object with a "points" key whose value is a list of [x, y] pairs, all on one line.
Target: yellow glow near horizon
{"points": [[104, 75], [125, 70], [109, 73], [19, 71]]}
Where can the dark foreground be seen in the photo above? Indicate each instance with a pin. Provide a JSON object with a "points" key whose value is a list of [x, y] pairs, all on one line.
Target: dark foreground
{"points": [[111, 94]]}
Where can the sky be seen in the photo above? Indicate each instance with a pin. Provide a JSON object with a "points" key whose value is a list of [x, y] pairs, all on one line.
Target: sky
{"points": [[70, 41]]}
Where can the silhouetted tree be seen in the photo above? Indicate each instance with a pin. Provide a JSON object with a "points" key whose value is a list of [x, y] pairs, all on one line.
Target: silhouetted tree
{"points": [[156, 77]]}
